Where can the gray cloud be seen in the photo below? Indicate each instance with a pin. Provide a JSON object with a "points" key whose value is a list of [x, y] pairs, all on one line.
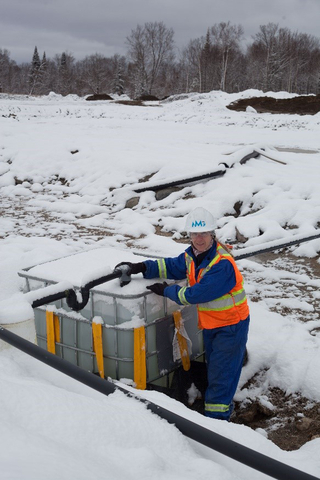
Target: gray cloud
{"points": [[84, 27]]}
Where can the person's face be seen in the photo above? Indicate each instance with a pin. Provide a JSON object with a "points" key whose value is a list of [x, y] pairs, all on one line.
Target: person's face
{"points": [[201, 240]]}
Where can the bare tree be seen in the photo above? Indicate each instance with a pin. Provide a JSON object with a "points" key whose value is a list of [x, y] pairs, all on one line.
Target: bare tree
{"points": [[95, 72], [7, 68], [303, 61], [265, 41], [149, 48], [283, 60], [191, 61], [227, 38]]}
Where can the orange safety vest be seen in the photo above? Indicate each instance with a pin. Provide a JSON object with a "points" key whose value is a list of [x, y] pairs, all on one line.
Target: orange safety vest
{"points": [[226, 310]]}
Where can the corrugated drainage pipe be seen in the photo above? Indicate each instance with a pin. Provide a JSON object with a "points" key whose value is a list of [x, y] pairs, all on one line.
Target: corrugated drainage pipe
{"points": [[210, 439]]}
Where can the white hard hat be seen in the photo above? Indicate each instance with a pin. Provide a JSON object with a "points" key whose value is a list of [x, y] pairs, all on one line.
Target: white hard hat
{"points": [[200, 220]]}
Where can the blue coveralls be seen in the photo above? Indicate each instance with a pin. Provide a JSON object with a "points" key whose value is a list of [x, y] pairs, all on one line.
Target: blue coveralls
{"points": [[224, 346]]}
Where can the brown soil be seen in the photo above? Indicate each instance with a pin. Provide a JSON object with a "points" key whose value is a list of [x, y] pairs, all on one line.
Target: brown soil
{"points": [[302, 105], [99, 96], [294, 420]]}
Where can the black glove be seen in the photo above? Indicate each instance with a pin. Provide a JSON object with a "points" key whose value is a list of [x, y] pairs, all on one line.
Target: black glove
{"points": [[158, 288], [133, 268]]}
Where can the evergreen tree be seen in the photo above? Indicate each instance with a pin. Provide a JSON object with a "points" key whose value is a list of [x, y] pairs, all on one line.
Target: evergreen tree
{"points": [[118, 79], [140, 82], [35, 73], [205, 64], [118, 83], [44, 61], [65, 82], [45, 76]]}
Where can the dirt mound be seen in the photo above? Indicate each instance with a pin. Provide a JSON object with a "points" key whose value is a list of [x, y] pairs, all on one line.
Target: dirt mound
{"points": [[99, 96], [303, 105]]}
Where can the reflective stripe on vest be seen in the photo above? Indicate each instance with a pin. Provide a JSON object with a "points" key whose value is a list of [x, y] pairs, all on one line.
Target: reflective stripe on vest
{"points": [[221, 308], [225, 302]]}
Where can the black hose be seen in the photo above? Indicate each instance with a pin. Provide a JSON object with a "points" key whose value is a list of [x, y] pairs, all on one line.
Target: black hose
{"points": [[196, 178], [253, 154], [182, 181], [50, 298], [196, 432], [71, 296]]}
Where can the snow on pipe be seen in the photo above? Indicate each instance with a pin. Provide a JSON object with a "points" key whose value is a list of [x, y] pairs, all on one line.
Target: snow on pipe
{"points": [[223, 445], [275, 245], [182, 181], [151, 186]]}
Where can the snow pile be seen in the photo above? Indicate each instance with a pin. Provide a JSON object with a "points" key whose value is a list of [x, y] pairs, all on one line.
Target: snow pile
{"points": [[63, 165], [72, 160]]}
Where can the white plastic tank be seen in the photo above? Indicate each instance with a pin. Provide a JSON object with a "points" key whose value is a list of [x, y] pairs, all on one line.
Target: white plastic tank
{"points": [[120, 310]]}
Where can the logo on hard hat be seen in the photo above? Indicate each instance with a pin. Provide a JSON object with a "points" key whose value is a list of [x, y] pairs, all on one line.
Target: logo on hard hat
{"points": [[195, 223]]}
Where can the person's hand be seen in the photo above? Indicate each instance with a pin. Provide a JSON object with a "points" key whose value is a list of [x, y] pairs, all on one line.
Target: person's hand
{"points": [[132, 268], [158, 288]]}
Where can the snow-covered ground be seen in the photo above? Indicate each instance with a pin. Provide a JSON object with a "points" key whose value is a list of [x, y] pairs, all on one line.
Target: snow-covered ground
{"points": [[67, 169]]}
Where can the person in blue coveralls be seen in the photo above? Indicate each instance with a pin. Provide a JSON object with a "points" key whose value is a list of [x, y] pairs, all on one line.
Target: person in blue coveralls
{"points": [[215, 285]]}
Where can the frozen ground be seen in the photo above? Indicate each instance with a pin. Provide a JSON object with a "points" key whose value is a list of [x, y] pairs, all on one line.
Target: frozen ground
{"points": [[63, 163]]}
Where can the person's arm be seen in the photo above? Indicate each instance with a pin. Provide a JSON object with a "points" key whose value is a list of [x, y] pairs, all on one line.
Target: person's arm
{"points": [[218, 281], [171, 268]]}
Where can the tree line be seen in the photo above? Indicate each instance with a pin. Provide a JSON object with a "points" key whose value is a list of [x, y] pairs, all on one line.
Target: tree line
{"points": [[277, 59]]}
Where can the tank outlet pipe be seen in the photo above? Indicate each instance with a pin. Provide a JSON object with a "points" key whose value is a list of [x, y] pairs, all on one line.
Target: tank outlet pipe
{"points": [[223, 445], [71, 295]]}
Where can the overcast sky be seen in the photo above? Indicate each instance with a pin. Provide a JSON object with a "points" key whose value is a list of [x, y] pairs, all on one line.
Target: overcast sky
{"points": [[85, 27]]}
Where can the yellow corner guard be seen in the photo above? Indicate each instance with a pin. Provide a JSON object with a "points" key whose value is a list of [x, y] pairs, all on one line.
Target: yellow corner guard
{"points": [[140, 367], [182, 341], [53, 331], [98, 346]]}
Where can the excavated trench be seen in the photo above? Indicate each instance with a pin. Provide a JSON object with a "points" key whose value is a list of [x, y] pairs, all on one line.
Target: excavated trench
{"points": [[293, 420]]}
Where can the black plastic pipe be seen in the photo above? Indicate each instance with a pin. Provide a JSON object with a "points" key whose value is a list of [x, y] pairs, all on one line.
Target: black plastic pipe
{"points": [[196, 178], [50, 298], [183, 181], [71, 295], [196, 432], [276, 247]]}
